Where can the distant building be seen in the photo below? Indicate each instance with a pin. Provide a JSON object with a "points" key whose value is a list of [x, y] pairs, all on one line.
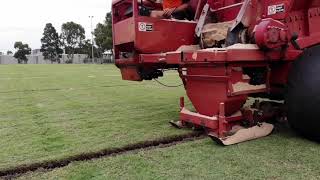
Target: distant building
{"points": [[36, 52], [108, 57]]}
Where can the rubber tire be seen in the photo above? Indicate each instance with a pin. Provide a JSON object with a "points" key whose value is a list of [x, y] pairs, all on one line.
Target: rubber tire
{"points": [[303, 96]]}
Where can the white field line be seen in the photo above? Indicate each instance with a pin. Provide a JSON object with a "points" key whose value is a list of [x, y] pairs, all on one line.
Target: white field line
{"points": [[8, 78], [119, 75], [112, 75]]}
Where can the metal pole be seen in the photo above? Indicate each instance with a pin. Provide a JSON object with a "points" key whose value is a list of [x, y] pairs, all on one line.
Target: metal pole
{"points": [[92, 53]]}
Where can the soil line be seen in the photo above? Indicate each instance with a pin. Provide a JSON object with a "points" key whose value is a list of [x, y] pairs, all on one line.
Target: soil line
{"points": [[145, 145]]}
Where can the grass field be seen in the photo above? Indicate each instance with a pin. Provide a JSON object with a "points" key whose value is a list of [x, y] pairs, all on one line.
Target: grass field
{"points": [[54, 111], [280, 156]]}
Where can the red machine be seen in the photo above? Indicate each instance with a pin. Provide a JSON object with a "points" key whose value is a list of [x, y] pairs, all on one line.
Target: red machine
{"points": [[270, 50]]}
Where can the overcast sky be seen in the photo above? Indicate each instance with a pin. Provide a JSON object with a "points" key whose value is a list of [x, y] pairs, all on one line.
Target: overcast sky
{"points": [[24, 20]]}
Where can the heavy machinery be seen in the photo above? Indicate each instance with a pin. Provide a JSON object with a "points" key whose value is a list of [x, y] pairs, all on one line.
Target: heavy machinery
{"points": [[230, 50]]}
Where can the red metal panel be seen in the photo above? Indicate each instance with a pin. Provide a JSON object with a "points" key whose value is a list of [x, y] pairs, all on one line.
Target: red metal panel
{"points": [[126, 62], [165, 36], [207, 87], [245, 55], [130, 73], [224, 9], [292, 54], [123, 31], [129, 69], [152, 58], [174, 58], [197, 6], [198, 119], [205, 56], [218, 124], [225, 55], [115, 1], [218, 56], [206, 93], [309, 41], [314, 21]]}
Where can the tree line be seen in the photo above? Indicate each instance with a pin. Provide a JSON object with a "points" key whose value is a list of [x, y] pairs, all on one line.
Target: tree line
{"points": [[72, 39]]}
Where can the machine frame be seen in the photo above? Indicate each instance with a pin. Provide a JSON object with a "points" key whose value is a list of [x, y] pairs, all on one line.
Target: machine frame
{"points": [[218, 81]]}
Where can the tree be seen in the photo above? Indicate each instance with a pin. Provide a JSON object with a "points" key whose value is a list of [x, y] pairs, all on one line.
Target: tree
{"points": [[103, 34], [51, 44], [9, 53], [85, 48], [72, 35], [22, 51]]}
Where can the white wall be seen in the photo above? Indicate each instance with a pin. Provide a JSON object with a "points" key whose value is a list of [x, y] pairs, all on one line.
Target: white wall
{"points": [[39, 59], [4, 59]]}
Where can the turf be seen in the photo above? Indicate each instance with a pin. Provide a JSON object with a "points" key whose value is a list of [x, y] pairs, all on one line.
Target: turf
{"points": [[279, 156], [53, 111]]}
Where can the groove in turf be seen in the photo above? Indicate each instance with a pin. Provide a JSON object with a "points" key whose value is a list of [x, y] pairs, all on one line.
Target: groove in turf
{"points": [[165, 141]]}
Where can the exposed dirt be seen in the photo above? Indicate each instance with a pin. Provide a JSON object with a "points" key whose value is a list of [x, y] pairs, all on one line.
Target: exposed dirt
{"points": [[14, 172]]}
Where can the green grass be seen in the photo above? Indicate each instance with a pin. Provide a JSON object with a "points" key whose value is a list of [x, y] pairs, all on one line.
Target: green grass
{"points": [[279, 156], [54, 111]]}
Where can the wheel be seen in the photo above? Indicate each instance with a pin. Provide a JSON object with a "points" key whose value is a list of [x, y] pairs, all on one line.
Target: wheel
{"points": [[303, 97]]}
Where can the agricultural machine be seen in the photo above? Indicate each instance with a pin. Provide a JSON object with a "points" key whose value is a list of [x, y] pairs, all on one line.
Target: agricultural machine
{"points": [[230, 50]]}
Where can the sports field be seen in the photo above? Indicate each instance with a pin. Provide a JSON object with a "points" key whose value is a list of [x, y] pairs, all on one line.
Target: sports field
{"points": [[53, 112]]}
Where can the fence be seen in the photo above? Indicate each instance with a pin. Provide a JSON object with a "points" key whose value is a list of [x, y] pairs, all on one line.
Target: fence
{"points": [[39, 59]]}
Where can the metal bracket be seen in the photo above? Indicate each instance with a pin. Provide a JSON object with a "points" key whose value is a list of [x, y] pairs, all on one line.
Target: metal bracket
{"points": [[202, 20]]}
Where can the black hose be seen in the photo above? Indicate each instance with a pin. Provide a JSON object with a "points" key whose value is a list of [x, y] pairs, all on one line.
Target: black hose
{"points": [[170, 86]]}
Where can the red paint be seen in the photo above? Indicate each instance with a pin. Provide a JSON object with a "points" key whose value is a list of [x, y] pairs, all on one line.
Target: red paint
{"points": [[271, 34], [209, 75]]}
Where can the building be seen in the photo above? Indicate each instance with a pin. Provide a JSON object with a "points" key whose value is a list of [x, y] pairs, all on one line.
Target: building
{"points": [[108, 57], [36, 52]]}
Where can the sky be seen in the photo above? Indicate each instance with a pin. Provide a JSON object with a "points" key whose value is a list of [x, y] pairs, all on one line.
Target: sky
{"points": [[24, 20]]}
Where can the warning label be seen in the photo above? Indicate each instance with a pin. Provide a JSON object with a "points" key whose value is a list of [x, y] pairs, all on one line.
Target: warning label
{"points": [[145, 27], [274, 9]]}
